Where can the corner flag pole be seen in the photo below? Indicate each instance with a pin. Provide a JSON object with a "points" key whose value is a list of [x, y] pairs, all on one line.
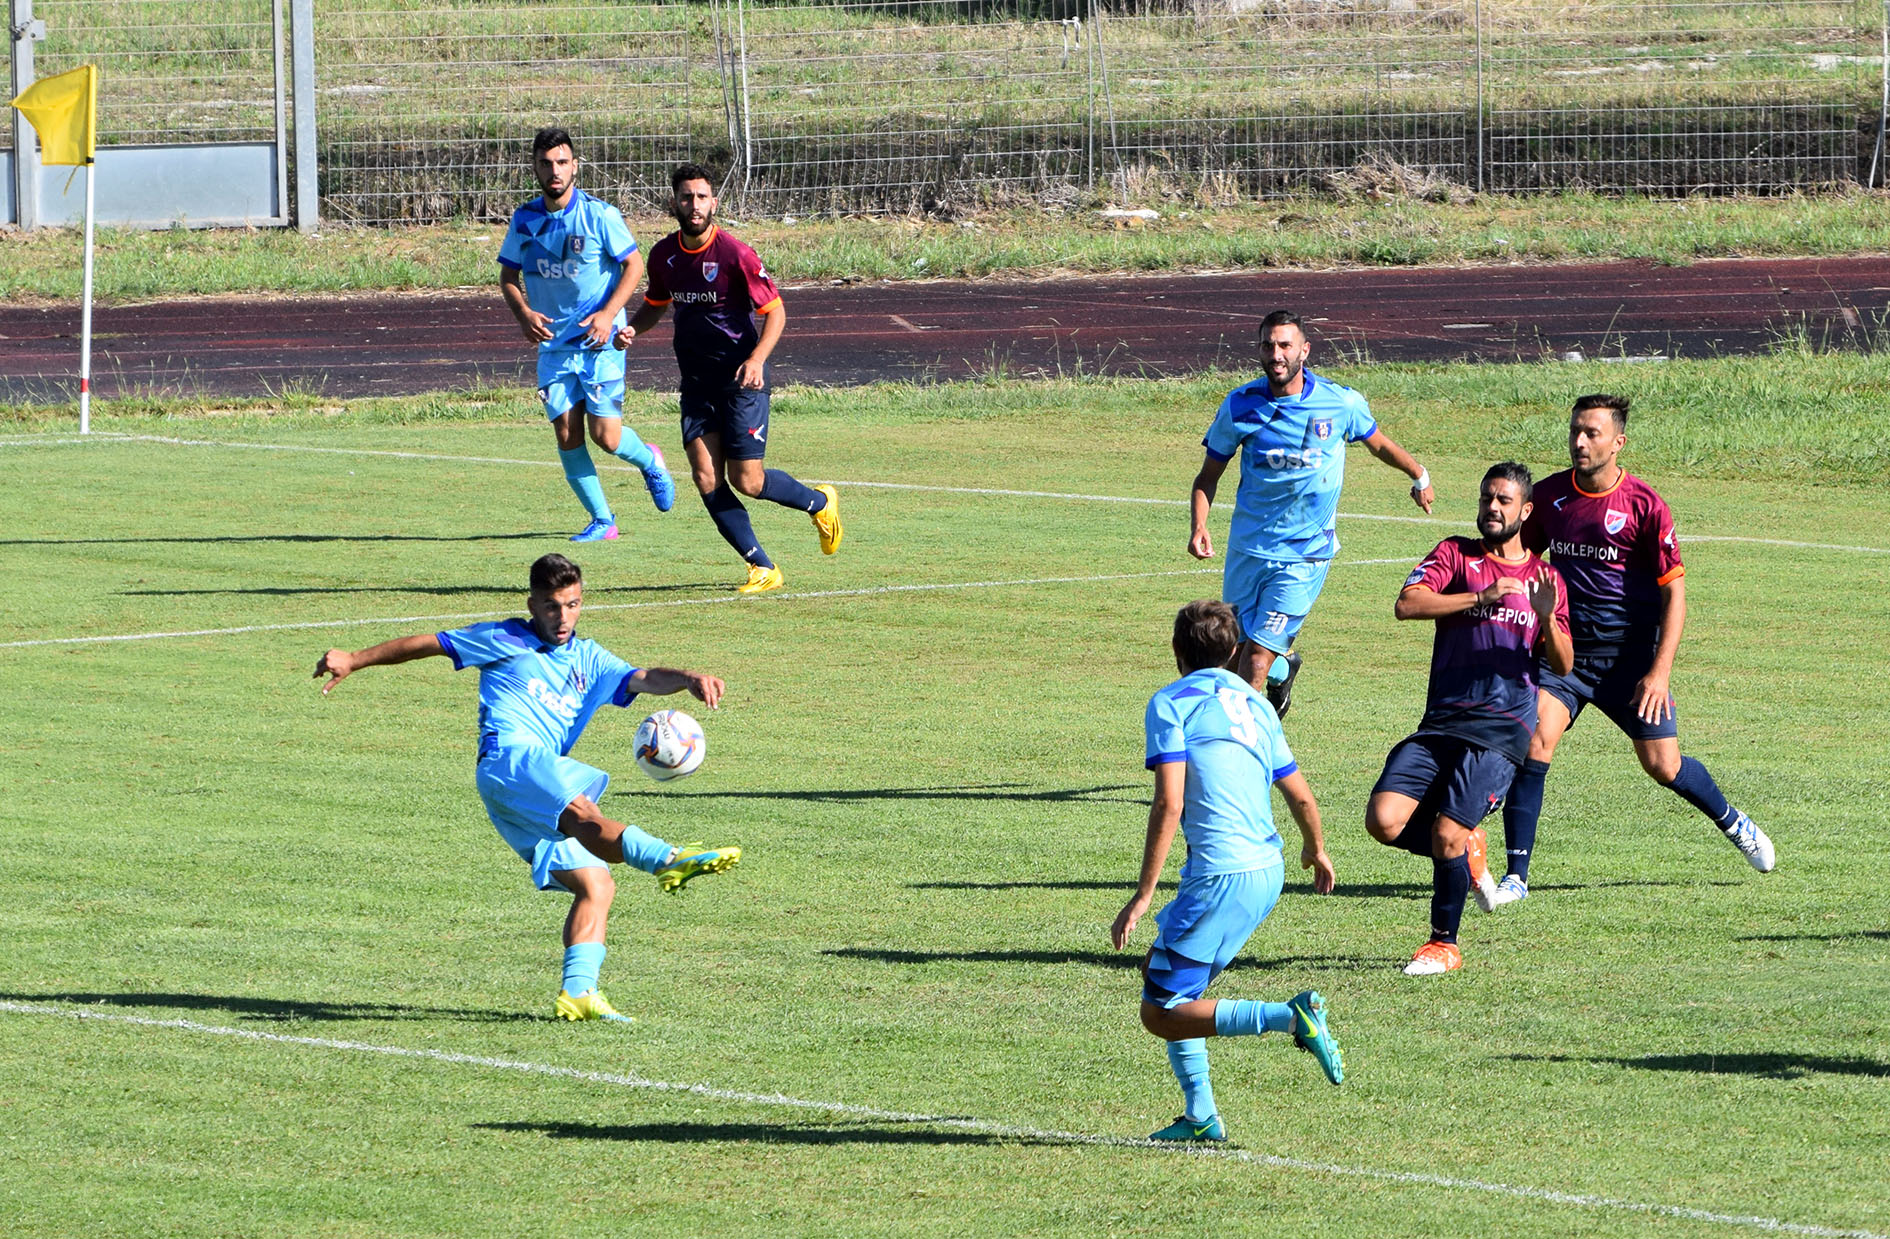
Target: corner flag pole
{"points": [[85, 312]]}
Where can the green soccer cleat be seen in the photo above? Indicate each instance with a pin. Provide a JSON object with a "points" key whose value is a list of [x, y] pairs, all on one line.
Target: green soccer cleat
{"points": [[1185, 1130], [1312, 1035], [690, 862], [590, 1005]]}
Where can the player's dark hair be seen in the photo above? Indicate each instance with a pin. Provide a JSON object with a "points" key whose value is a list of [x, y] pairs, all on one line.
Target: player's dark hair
{"points": [[1281, 318], [1517, 473], [690, 172], [551, 573], [1617, 405], [551, 138], [1206, 633]]}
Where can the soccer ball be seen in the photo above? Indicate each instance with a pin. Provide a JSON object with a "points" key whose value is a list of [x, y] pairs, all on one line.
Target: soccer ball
{"points": [[669, 744]]}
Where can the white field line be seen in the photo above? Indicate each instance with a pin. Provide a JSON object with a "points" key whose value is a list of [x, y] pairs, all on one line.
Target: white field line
{"points": [[1003, 1131], [108, 437]]}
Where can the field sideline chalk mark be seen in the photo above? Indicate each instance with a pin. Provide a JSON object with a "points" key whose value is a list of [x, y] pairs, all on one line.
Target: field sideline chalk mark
{"points": [[945, 490], [978, 1126]]}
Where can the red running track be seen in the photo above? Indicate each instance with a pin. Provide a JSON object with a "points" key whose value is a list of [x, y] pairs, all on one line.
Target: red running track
{"points": [[403, 344]]}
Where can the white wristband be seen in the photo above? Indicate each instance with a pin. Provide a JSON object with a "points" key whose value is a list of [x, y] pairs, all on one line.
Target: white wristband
{"points": [[1423, 482]]}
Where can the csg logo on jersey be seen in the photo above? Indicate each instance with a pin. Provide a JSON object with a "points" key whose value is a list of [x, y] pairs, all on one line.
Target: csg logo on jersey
{"points": [[567, 270], [564, 705]]}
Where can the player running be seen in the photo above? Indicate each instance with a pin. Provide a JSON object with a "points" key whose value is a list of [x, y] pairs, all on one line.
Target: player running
{"points": [[1292, 429], [1496, 607], [568, 266], [1216, 748], [718, 286], [1613, 540], [539, 684]]}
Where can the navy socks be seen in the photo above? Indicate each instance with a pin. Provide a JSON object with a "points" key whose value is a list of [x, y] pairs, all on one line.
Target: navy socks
{"points": [[1522, 813]]}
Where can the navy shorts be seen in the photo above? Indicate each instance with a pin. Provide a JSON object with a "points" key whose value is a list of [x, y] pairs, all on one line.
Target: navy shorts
{"points": [[1447, 776], [717, 404], [1607, 681]]}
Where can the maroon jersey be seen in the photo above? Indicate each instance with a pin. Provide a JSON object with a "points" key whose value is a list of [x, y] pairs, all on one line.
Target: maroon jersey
{"points": [[717, 290], [1483, 661], [1615, 550]]}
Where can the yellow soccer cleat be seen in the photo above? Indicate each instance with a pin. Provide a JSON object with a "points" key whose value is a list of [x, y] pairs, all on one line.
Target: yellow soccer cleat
{"points": [[692, 861], [827, 521], [761, 580], [590, 1005]]}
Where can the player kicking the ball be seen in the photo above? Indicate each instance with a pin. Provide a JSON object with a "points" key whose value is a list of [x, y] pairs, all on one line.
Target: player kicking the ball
{"points": [[1612, 538], [567, 267], [1216, 748], [539, 684], [718, 286], [1496, 607]]}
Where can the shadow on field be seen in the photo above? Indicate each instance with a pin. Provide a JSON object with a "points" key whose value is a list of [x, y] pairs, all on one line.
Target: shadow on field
{"points": [[1767, 1066], [1881, 935], [1349, 890], [595, 597], [961, 791], [282, 1009], [1535, 887], [282, 537], [761, 1133], [1127, 961]]}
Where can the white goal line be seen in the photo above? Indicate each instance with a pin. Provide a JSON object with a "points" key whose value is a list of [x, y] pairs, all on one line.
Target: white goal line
{"points": [[1001, 1131], [1068, 496]]}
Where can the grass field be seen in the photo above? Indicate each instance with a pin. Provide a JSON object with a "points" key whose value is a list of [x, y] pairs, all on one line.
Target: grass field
{"points": [[313, 982]]}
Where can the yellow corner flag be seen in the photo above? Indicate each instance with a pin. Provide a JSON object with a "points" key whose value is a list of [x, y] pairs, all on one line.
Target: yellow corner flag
{"points": [[64, 110]]}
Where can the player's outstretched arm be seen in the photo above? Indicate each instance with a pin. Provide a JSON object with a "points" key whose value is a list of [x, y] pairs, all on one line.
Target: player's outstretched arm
{"points": [[1379, 444], [338, 665], [1164, 818], [1200, 503], [1312, 840], [665, 680], [536, 326]]}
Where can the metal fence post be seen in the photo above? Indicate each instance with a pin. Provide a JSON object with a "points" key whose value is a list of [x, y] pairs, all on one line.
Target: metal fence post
{"points": [[25, 32], [1481, 136], [1875, 177], [308, 198]]}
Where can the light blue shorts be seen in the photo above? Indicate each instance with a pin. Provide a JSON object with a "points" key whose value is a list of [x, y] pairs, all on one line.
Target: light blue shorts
{"points": [[591, 375], [525, 790], [1202, 929], [1271, 597]]}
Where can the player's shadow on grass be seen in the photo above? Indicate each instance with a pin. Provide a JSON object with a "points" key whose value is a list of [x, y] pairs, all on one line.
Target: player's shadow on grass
{"points": [[1881, 935], [961, 791], [1350, 890], [282, 537], [1766, 1066], [1538, 887], [282, 1009], [1127, 961], [758, 1133], [596, 597]]}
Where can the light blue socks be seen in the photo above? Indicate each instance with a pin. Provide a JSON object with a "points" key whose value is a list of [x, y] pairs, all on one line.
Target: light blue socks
{"points": [[634, 451], [582, 475], [582, 962], [1241, 1017], [1277, 669], [1190, 1062]]}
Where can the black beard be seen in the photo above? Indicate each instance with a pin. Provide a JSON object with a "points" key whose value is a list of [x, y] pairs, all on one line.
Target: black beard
{"points": [[1501, 536]]}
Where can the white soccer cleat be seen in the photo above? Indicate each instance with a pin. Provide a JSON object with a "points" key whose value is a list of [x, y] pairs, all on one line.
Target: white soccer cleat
{"points": [[1748, 838], [1511, 889]]}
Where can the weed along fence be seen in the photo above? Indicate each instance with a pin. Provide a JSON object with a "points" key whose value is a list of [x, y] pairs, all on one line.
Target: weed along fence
{"points": [[391, 111]]}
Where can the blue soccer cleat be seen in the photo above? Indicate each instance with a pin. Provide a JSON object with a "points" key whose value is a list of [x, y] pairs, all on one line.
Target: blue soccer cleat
{"points": [[1185, 1130], [1312, 1035], [596, 531], [656, 477]]}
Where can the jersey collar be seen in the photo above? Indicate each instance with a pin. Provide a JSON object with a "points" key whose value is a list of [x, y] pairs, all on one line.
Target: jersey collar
{"points": [[1595, 494], [708, 239]]}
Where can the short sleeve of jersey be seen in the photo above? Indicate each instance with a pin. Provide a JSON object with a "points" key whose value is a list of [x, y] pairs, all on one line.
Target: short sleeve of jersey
{"points": [[1439, 569], [1360, 424], [512, 249], [1561, 598], [611, 674], [762, 293], [619, 243], [1223, 437], [1665, 553], [657, 292], [1163, 730], [1282, 762], [482, 644]]}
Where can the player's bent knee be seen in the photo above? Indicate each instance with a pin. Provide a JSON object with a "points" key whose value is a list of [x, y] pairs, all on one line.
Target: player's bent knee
{"points": [[1384, 822]]}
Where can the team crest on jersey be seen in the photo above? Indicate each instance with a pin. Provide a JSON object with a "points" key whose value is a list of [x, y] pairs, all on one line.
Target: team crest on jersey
{"points": [[1614, 521], [578, 243], [709, 270], [1322, 429]]}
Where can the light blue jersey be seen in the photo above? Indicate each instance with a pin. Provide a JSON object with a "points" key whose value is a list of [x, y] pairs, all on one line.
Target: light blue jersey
{"points": [[533, 694], [571, 261], [1292, 465], [1231, 740]]}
